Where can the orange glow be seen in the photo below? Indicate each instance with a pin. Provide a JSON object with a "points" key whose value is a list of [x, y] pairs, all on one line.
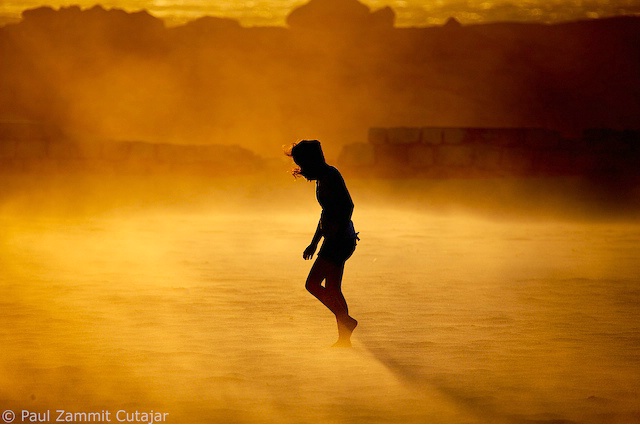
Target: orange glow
{"points": [[151, 235]]}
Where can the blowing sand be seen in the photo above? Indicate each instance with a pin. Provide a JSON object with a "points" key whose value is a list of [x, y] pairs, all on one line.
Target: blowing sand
{"points": [[201, 313]]}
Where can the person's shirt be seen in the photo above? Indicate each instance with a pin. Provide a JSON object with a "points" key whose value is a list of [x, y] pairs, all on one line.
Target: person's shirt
{"points": [[336, 203]]}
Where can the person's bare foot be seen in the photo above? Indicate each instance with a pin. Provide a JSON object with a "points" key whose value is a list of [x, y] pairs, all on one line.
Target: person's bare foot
{"points": [[342, 343], [345, 329]]}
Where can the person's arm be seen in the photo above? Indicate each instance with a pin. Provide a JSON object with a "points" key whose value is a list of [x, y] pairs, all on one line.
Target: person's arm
{"points": [[311, 249]]}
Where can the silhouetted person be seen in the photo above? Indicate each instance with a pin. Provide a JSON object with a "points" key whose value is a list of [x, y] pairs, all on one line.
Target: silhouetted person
{"points": [[336, 227]]}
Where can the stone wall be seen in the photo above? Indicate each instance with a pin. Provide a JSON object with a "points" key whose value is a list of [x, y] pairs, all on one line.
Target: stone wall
{"points": [[32, 147], [491, 152], [61, 156]]}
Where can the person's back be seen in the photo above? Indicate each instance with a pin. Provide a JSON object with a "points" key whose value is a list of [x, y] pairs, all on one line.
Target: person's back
{"points": [[337, 206]]}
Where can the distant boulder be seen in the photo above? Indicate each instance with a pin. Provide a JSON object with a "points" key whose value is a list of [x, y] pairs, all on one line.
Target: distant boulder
{"points": [[40, 13], [211, 23], [208, 29], [338, 14], [452, 23], [384, 17]]}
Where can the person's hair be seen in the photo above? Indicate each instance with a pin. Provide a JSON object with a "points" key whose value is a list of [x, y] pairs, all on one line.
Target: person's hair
{"points": [[307, 154]]}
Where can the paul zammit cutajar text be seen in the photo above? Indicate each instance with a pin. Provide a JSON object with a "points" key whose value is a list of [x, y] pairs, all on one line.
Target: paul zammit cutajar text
{"points": [[102, 416]]}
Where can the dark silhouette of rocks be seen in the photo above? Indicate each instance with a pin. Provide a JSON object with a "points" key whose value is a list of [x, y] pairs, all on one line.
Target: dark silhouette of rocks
{"points": [[493, 152], [336, 15], [35, 148], [452, 23], [116, 27], [335, 71], [210, 26]]}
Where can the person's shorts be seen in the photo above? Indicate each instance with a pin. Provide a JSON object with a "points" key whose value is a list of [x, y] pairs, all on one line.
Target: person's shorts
{"points": [[337, 251]]}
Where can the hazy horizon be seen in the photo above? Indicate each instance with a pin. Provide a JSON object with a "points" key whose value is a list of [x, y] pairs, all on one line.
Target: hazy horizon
{"points": [[409, 13]]}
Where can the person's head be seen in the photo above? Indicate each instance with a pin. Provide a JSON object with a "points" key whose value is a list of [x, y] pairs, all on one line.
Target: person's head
{"points": [[308, 156]]}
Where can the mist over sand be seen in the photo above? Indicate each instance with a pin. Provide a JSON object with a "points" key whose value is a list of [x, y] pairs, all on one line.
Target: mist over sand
{"points": [[187, 297]]}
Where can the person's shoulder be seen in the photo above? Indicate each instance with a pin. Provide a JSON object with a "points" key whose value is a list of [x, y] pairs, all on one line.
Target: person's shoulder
{"points": [[330, 176], [334, 177], [333, 171]]}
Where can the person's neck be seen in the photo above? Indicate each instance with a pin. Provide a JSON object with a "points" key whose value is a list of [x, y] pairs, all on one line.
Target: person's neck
{"points": [[322, 170]]}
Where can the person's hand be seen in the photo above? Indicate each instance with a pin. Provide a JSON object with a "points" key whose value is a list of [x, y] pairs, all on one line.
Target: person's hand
{"points": [[309, 251]]}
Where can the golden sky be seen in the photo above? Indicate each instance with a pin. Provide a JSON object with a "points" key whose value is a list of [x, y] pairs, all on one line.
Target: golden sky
{"points": [[408, 12]]}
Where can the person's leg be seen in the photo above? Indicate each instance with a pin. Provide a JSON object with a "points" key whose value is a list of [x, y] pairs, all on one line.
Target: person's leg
{"points": [[346, 323], [323, 270], [331, 296], [333, 286]]}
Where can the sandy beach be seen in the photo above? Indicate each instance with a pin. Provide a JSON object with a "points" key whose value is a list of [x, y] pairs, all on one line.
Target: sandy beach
{"points": [[200, 312]]}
